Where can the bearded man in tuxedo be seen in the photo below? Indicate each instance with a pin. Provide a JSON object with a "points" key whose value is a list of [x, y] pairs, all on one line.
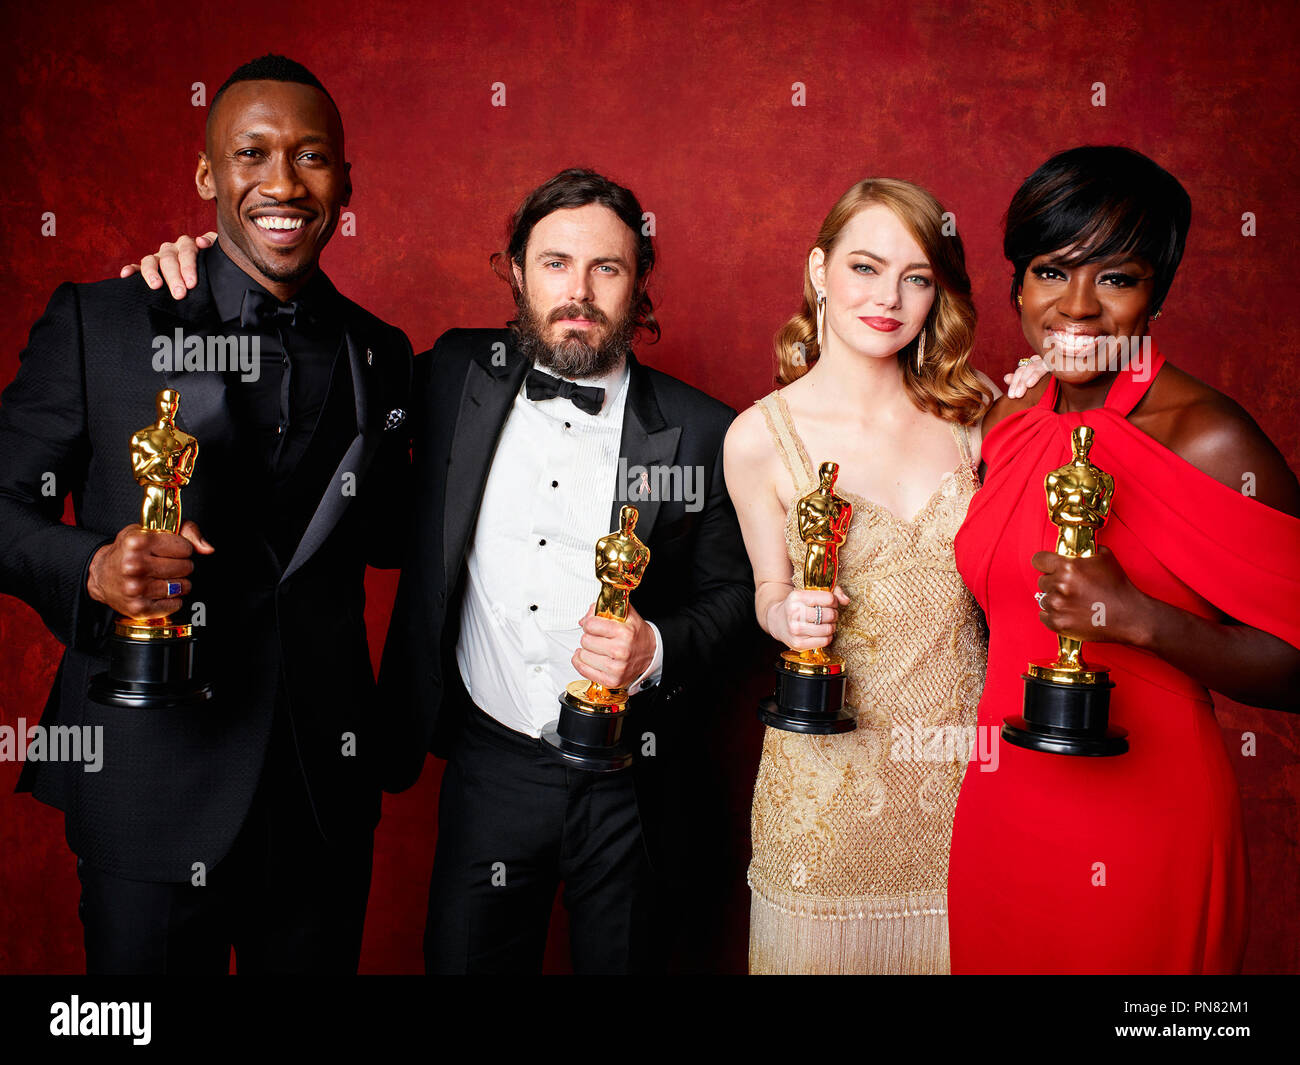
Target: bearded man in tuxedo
{"points": [[528, 443]]}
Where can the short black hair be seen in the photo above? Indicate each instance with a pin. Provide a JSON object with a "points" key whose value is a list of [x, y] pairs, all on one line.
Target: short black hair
{"points": [[1104, 201], [576, 187], [271, 67]]}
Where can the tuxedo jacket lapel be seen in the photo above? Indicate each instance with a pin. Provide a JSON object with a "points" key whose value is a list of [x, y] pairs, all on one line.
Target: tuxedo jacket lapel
{"points": [[485, 401], [354, 462], [203, 411], [647, 441]]}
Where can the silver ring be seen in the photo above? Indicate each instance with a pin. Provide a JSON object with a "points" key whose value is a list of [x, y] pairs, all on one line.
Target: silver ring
{"points": [[173, 589], [1038, 598], [819, 615]]}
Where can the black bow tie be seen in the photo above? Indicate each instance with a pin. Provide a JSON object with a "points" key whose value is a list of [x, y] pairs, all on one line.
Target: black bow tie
{"points": [[261, 310], [539, 385]]}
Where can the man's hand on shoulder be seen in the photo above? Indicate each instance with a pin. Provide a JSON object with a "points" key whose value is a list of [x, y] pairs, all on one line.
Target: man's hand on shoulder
{"points": [[175, 263]]}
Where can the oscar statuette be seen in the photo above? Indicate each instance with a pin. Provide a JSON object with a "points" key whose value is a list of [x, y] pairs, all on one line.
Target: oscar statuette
{"points": [[151, 660], [1067, 700], [809, 694], [589, 731]]}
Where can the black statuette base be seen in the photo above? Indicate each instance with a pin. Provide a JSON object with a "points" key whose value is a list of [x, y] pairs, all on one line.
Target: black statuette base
{"points": [[588, 739], [1066, 719], [150, 675], [811, 705]]}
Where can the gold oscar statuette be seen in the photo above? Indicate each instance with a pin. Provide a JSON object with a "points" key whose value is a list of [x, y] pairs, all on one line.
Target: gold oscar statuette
{"points": [[809, 694], [152, 659], [589, 731], [162, 459], [1067, 699]]}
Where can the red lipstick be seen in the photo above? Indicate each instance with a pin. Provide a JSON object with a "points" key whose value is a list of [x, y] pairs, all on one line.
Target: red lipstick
{"points": [[882, 325]]}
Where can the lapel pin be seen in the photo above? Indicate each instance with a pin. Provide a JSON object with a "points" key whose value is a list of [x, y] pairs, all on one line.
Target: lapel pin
{"points": [[395, 418]]}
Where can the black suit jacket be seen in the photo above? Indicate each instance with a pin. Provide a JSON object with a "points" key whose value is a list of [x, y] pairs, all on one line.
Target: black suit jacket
{"points": [[698, 588], [176, 785]]}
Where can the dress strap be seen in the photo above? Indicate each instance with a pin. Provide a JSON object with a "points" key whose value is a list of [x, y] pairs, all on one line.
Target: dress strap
{"points": [[962, 433], [1048, 399], [788, 444], [1132, 382]]}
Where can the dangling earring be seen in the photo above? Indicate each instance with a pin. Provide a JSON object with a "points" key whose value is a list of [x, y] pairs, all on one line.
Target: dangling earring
{"points": [[1155, 316], [1020, 300], [821, 319], [920, 350]]}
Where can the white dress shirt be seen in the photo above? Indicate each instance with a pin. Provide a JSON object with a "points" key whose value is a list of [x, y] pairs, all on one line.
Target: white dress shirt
{"points": [[532, 558]]}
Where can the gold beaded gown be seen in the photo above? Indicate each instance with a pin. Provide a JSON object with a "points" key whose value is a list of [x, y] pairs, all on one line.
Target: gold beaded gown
{"points": [[851, 833]]}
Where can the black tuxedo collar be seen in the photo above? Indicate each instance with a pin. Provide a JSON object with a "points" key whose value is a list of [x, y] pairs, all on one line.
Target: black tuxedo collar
{"points": [[641, 398], [198, 310], [318, 301], [496, 353], [492, 381]]}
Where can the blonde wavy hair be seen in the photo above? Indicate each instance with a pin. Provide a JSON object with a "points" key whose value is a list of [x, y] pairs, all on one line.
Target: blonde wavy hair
{"points": [[947, 385]]}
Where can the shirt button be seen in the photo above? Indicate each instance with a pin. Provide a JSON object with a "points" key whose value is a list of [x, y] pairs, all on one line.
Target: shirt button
{"points": [[537, 669], [279, 429], [555, 484], [567, 425], [541, 543], [533, 607]]}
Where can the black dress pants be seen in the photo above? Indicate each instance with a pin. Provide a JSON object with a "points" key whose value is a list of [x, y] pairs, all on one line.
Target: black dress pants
{"points": [[285, 899], [513, 823]]}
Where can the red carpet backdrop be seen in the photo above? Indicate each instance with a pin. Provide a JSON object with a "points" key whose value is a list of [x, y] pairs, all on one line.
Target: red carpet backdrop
{"points": [[737, 125]]}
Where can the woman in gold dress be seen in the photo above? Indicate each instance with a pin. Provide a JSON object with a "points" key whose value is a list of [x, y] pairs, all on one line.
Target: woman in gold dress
{"points": [[851, 832]]}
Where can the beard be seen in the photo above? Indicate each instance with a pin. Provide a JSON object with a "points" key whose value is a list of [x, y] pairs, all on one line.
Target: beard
{"points": [[572, 356]]}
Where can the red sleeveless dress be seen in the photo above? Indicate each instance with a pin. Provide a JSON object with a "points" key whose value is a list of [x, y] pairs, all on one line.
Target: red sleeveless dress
{"points": [[1133, 863]]}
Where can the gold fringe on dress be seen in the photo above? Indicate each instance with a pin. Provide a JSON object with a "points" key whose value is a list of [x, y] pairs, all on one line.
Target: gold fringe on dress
{"points": [[805, 936]]}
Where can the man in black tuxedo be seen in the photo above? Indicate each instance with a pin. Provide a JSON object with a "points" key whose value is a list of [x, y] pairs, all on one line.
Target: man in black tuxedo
{"points": [[246, 821], [528, 442]]}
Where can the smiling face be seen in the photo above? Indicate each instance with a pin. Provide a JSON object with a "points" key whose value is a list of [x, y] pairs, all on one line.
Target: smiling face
{"points": [[1065, 309], [878, 283], [274, 163], [576, 290]]}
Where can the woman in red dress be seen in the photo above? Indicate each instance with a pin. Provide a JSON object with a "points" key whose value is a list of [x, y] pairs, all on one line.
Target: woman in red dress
{"points": [[1133, 863]]}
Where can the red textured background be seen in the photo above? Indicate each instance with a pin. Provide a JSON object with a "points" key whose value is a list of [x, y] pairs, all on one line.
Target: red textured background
{"points": [[689, 104]]}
